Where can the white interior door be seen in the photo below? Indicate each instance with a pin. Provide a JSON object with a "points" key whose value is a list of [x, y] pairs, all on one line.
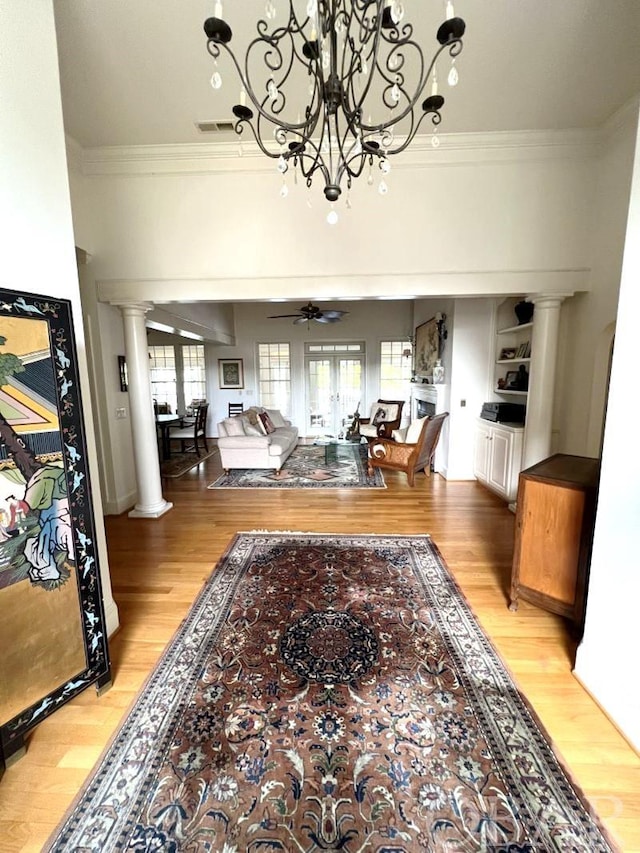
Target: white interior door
{"points": [[335, 386]]}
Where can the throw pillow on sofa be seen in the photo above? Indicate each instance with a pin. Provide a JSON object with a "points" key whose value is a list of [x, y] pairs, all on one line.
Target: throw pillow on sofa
{"points": [[276, 418], [234, 426], [252, 416], [266, 423]]}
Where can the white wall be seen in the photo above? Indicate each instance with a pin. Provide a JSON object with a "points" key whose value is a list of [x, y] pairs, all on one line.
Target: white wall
{"points": [[583, 358], [502, 209], [370, 322], [471, 372], [38, 254], [607, 660]]}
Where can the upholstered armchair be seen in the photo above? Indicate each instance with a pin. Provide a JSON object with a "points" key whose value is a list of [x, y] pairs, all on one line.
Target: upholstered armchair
{"points": [[384, 418], [412, 454]]}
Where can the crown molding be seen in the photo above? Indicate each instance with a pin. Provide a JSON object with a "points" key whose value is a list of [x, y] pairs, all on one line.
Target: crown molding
{"points": [[75, 154], [626, 116], [240, 156]]}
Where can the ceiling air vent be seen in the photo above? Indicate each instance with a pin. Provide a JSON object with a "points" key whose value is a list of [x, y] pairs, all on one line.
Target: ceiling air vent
{"points": [[214, 126]]}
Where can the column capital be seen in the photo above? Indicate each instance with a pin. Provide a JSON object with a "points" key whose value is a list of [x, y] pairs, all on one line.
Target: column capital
{"points": [[548, 300], [134, 309]]}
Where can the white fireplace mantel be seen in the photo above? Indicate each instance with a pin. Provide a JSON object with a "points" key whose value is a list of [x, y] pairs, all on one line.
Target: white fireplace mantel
{"points": [[434, 394]]}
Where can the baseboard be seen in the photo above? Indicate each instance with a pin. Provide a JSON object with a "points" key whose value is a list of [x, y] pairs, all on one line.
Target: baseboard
{"points": [[112, 617], [120, 505], [628, 738]]}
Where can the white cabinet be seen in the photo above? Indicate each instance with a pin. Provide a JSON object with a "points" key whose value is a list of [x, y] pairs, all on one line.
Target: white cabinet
{"points": [[498, 457]]}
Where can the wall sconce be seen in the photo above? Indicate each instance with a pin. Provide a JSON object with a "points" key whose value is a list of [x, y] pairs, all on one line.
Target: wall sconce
{"points": [[443, 334], [122, 370]]}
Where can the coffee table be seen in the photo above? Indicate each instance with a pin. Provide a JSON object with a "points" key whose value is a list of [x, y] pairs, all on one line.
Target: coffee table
{"points": [[332, 448]]}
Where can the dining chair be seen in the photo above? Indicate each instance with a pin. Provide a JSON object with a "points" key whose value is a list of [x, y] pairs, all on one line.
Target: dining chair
{"points": [[196, 432], [235, 409]]}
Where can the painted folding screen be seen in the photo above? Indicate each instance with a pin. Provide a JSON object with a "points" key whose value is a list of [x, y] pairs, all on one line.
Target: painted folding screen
{"points": [[52, 629]]}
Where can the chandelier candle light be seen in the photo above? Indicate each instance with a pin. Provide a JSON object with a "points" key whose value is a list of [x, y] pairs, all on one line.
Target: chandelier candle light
{"points": [[364, 78]]}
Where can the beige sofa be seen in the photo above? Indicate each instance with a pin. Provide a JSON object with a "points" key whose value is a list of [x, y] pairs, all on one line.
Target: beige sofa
{"points": [[245, 442]]}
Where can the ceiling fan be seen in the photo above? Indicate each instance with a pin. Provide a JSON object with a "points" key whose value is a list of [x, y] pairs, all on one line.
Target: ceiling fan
{"points": [[312, 312]]}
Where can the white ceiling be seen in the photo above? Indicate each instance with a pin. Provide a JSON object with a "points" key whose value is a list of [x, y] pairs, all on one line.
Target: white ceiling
{"points": [[137, 72]]}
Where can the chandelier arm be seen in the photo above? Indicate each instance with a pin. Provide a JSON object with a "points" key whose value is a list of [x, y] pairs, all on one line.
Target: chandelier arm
{"points": [[349, 156], [317, 163], [371, 33], [413, 101], [239, 129], [415, 126], [273, 41]]}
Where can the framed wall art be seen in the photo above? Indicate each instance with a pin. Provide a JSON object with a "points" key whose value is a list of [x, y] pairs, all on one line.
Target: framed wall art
{"points": [[53, 641], [427, 348], [231, 373]]}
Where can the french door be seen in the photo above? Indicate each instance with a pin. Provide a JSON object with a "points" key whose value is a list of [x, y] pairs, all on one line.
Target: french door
{"points": [[334, 386]]}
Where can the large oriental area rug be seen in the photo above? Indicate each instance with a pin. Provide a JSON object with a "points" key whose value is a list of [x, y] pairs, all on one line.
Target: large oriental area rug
{"points": [[332, 465], [330, 693]]}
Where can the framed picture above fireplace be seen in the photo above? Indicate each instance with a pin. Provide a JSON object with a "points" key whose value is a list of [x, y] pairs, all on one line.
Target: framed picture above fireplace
{"points": [[427, 349]]}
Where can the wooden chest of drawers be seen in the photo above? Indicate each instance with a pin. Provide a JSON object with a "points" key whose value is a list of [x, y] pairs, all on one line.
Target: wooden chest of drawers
{"points": [[554, 530]]}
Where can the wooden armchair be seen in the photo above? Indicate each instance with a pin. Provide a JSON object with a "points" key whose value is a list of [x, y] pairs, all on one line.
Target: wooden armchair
{"points": [[413, 454], [384, 418]]}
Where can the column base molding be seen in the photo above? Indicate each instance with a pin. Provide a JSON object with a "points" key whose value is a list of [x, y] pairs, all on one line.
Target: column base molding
{"points": [[111, 616], [150, 512]]}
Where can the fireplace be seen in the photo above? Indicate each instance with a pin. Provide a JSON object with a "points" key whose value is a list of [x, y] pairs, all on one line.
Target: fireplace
{"points": [[427, 400], [430, 400], [424, 408]]}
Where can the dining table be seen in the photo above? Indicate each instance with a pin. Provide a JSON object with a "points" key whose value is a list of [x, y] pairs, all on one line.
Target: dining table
{"points": [[163, 426]]}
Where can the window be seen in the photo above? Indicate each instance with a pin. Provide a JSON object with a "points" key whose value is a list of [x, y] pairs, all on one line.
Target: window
{"points": [[178, 375], [395, 369], [164, 384], [274, 382], [194, 383]]}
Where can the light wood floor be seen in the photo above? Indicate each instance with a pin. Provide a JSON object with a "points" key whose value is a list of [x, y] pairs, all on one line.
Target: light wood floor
{"points": [[158, 567]]}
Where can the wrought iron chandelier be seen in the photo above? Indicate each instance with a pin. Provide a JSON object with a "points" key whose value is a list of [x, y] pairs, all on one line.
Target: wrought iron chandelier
{"points": [[358, 58]]}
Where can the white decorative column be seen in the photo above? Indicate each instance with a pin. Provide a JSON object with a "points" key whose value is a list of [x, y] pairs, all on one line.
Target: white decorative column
{"points": [[151, 503], [544, 351]]}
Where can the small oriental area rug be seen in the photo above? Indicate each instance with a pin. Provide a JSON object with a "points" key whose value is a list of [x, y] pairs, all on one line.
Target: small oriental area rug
{"points": [[330, 693], [310, 466], [179, 463]]}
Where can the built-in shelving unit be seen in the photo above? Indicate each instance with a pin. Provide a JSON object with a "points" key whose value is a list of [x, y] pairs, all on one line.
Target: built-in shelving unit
{"points": [[498, 445], [516, 340]]}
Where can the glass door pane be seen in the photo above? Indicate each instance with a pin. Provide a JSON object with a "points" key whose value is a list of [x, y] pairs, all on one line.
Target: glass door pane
{"points": [[350, 390], [319, 395], [334, 389]]}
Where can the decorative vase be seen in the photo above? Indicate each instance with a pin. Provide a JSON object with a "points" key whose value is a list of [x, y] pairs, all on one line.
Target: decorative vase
{"points": [[524, 312], [438, 373]]}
